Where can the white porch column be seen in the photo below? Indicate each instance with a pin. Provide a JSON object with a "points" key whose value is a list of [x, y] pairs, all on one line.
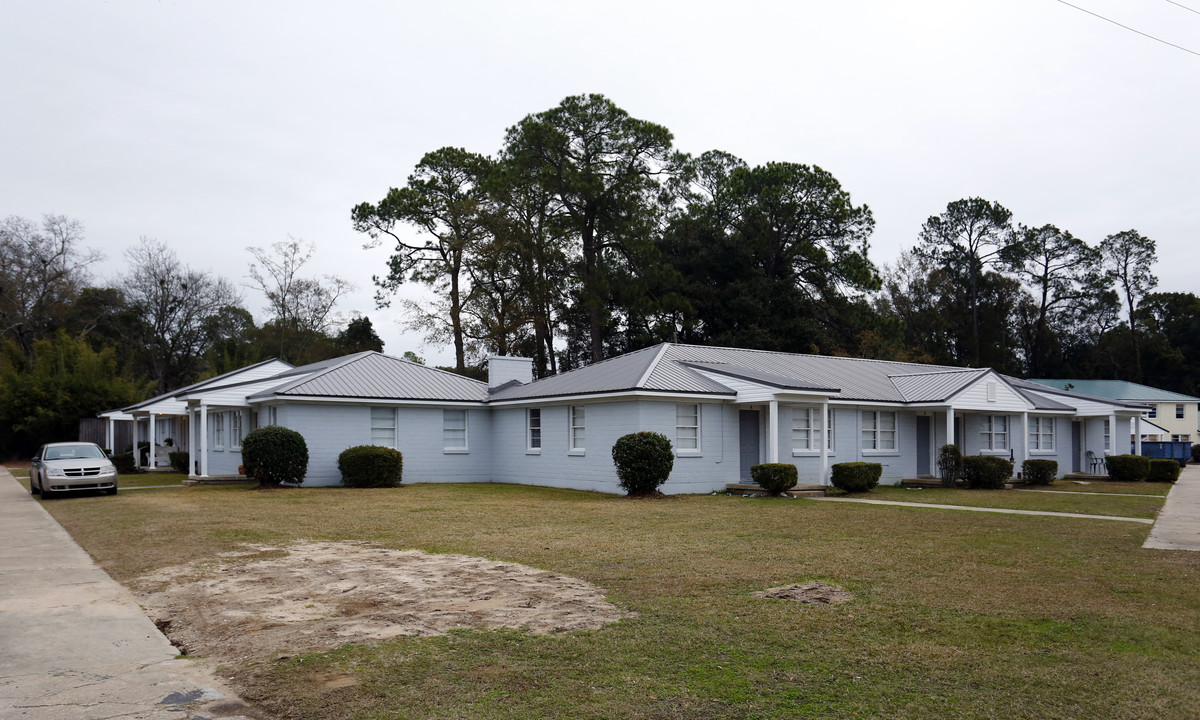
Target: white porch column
{"points": [[1112, 437], [825, 432], [1024, 441], [773, 432], [136, 439], [203, 439], [1137, 436], [153, 441], [109, 435], [950, 426]]}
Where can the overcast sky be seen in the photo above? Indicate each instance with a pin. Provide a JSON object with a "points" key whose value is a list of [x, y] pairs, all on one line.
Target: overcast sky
{"points": [[214, 126]]}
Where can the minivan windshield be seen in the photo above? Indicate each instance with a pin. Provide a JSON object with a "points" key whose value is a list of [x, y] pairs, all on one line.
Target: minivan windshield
{"points": [[66, 452]]}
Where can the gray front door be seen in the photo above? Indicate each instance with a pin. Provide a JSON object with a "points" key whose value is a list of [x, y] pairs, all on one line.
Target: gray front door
{"points": [[747, 440], [923, 445], [1076, 442]]}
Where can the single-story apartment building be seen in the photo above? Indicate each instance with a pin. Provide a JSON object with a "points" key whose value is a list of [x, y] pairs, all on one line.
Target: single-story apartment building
{"points": [[724, 409], [1173, 417]]}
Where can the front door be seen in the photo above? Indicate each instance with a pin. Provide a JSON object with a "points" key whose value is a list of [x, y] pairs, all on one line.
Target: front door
{"points": [[923, 445], [1076, 445], [747, 441]]}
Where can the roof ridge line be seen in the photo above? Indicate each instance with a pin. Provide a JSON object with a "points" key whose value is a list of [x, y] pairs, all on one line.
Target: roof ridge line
{"points": [[941, 372], [662, 350], [817, 355]]}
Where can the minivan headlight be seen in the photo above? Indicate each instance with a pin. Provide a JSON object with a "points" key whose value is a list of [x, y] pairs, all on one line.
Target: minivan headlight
{"points": [[106, 469], [55, 472]]}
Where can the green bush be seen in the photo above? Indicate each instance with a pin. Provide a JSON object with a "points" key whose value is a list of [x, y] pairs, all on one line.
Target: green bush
{"points": [[180, 461], [1127, 468], [775, 478], [856, 477], [950, 465], [644, 461], [1039, 472], [274, 455], [1164, 470], [124, 464], [1196, 453], [366, 466], [986, 472]]}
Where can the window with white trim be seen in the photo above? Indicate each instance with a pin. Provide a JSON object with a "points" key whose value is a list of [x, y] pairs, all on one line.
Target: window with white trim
{"points": [[533, 429], [994, 433], [878, 430], [1179, 411], [1153, 412], [1107, 436], [272, 415], [687, 427], [1181, 438], [578, 434], [806, 430], [1041, 433], [235, 429], [454, 429], [218, 430], [383, 426]]}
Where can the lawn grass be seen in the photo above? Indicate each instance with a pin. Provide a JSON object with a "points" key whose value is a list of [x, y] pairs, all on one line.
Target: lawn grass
{"points": [[963, 615], [1133, 506], [1107, 486]]}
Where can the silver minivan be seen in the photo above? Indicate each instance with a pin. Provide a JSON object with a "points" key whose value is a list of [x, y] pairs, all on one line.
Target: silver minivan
{"points": [[62, 467]]}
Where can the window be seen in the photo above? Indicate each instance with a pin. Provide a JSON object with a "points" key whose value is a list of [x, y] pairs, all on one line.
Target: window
{"points": [[1153, 412], [454, 429], [994, 435], [1181, 438], [235, 429], [272, 416], [1041, 433], [806, 430], [578, 436], [878, 430], [1107, 436], [533, 429], [1179, 411], [218, 430], [383, 426], [687, 427]]}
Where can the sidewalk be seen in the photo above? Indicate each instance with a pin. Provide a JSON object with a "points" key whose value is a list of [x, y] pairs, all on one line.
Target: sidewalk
{"points": [[972, 508], [1178, 524], [74, 645]]}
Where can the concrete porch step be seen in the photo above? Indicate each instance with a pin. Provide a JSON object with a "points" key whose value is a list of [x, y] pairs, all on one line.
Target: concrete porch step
{"points": [[755, 490], [217, 480], [928, 482]]}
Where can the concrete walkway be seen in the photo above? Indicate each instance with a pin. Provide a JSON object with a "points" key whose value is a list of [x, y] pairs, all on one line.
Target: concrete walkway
{"points": [[1178, 524], [74, 645], [970, 508]]}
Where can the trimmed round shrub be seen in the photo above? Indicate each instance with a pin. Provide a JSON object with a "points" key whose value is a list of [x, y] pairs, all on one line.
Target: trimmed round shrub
{"points": [[274, 454], [987, 472], [1039, 472], [856, 477], [1128, 468], [775, 478], [180, 461], [1196, 453], [1163, 470], [124, 464], [950, 465], [644, 461], [368, 466]]}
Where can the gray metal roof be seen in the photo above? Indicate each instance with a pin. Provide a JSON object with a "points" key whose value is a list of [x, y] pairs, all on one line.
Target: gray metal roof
{"points": [[621, 373], [209, 383], [935, 386], [1044, 391], [373, 375], [751, 374]]}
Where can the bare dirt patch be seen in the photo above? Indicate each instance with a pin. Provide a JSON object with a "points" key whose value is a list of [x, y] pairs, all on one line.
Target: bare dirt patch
{"points": [[271, 602], [810, 592]]}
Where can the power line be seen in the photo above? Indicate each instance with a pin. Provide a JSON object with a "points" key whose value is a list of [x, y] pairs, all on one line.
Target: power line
{"points": [[1139, 32], [1185, 7]]}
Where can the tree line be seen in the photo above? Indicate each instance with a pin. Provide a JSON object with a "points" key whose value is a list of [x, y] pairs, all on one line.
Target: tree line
{"points": [[588, 234], [71, 347]]}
